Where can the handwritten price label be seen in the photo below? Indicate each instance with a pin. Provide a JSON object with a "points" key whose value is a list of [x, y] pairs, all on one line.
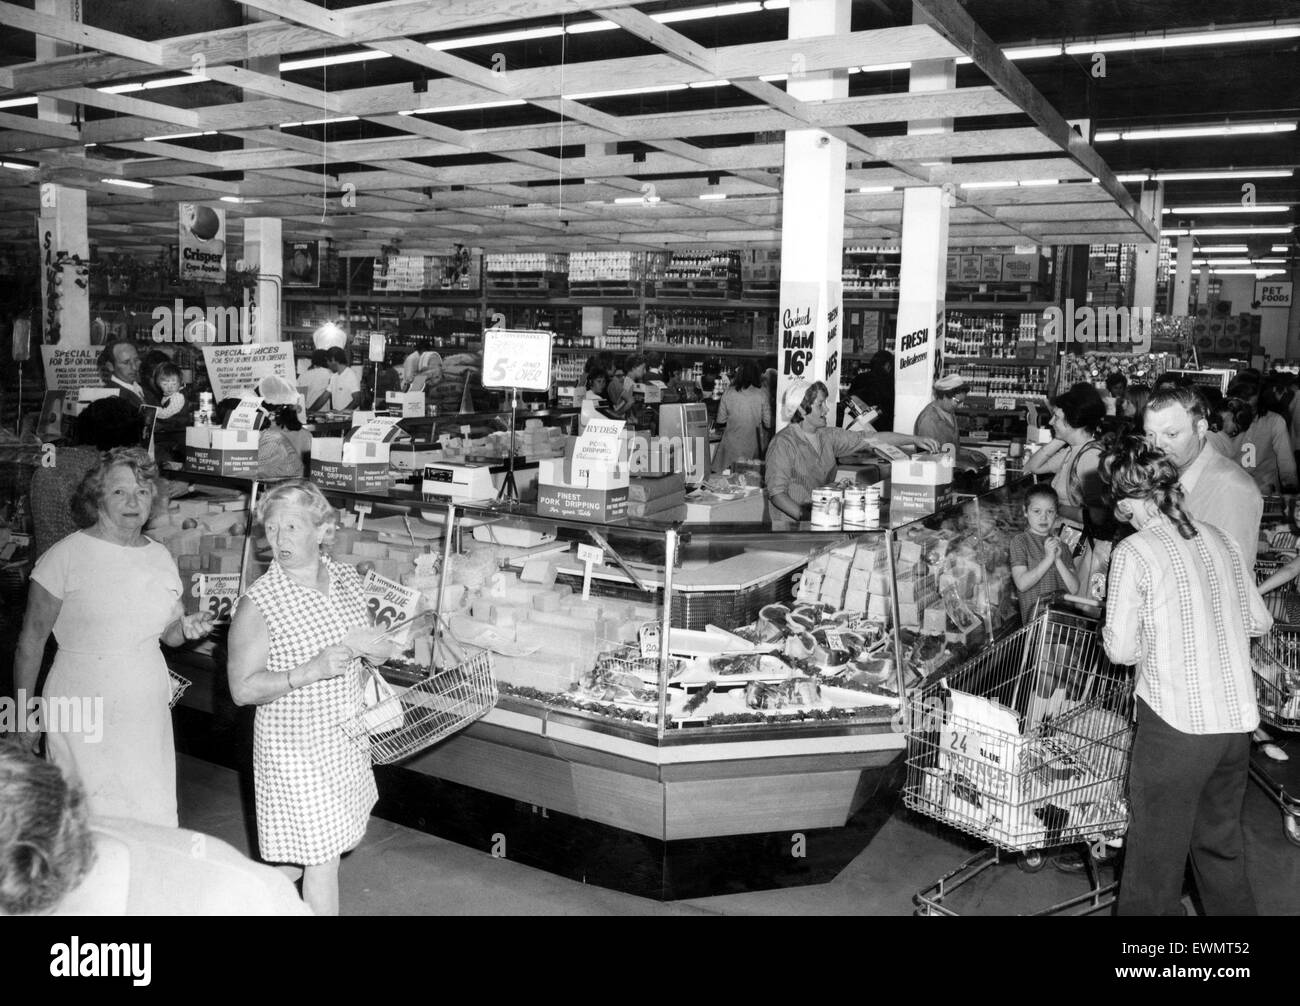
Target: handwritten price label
{"points": [[218, 593], [389, 603], [517, 359]]}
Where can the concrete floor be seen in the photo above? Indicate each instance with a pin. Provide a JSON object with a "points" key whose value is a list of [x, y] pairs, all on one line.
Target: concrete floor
{"points": [[400, 871]]}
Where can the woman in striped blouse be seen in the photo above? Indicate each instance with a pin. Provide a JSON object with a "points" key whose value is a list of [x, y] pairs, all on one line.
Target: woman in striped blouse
{"points": [[1181, 605]]}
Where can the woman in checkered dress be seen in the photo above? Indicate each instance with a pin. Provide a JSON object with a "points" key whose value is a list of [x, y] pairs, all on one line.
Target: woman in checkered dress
{"points": [[314, 789]]}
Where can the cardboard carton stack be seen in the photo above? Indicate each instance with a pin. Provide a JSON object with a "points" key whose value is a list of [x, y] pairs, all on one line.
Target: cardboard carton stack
{"points": [[214, 544], [919, 486]]}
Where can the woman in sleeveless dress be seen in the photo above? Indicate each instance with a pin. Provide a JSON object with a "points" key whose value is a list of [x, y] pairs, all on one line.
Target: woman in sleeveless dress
{"points": [[314, 789]]}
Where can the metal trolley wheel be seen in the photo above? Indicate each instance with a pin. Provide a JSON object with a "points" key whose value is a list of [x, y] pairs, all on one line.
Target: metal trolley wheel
{"points": [[1031, 860]]}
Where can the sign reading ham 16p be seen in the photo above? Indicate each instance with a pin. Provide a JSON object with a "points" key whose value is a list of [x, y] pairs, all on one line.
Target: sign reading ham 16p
{"points": [[796, 340]]}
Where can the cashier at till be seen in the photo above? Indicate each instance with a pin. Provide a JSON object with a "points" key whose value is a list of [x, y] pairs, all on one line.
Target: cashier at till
{"points": [[802, 457]]}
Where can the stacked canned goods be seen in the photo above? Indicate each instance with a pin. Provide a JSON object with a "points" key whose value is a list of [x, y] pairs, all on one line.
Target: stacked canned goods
{"points": [[827, 508]]}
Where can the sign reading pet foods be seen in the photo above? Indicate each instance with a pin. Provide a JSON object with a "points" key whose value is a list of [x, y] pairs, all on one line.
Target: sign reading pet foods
{"points": [[234, 370], [202, 243], [1269, 294]]}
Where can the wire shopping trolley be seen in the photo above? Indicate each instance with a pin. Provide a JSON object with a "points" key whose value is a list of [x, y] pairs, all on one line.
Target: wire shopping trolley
{"points": [[1025, 746], [1275, 662]]}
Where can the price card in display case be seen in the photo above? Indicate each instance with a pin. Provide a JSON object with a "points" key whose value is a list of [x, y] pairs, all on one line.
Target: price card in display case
{"points": [[390, 604], [1004, 403], [517, 360], [218, 593]]}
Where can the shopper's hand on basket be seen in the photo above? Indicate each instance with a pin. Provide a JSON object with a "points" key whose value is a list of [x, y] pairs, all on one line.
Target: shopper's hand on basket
{"points": [[331, 662]]}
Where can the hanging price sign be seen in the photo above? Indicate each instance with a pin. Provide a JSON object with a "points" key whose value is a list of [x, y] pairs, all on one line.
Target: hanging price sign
{"points": [[517, 359]]}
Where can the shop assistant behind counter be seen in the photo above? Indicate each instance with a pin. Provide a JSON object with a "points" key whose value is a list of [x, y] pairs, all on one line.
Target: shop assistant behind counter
{"points": [[802, 457]]}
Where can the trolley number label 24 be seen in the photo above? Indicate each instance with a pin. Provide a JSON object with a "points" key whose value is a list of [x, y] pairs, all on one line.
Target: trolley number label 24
{"points": [[970, 745]]}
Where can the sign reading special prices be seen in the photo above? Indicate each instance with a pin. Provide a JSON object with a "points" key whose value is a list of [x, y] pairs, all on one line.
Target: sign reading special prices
{"points": [[233, 370], [516, 359]]}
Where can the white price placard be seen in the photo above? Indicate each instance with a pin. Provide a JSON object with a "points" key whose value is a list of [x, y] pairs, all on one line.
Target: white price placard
{"points": [[1004, 403], [390, 604], [517, 359]]}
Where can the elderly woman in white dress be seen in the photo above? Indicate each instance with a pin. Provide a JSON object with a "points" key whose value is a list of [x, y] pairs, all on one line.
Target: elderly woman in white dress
{"points": [[314, 788], [109, 594]]}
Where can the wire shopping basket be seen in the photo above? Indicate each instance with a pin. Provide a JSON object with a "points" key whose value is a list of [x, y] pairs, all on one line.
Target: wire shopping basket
{"points": [[1025, 746], [417, 717]]}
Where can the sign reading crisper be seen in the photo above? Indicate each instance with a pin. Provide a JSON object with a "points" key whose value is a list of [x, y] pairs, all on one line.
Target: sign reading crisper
{"points": [[202, 243]]}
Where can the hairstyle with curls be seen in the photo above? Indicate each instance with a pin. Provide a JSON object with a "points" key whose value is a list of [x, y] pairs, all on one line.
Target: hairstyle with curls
{"points": [[1081, 406], [89, 495], [594, 374], [1185, 398], [299, 493], [1116, 380], [109, 422], [46, 846], [1134, 470]]}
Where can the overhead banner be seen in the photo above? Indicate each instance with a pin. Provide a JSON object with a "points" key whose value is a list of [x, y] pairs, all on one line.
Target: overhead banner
{"points": [[202, 243], [234, 370], [71, 367]]}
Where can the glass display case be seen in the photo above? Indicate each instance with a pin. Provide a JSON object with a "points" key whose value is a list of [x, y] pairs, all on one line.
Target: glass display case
{"points": [[782, 664]]}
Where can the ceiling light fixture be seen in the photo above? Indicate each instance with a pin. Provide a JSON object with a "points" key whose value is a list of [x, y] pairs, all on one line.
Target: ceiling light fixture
{"points": [[15, 166], [713, 195], [319, 122], [1187, 132], [17, 102], [178, 136], [1207, 176], [1222, 36], [631, 200], [1195, 211], [626, 90], [126, 183], [875, 188], [336, 60], [439, 109], [1200, 231]]}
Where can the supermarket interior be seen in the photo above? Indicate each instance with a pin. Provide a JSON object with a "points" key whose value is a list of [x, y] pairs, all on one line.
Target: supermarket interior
{"points": [[549, 457]]}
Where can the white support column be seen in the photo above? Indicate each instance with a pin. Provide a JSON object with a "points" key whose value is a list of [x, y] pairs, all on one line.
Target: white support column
{"points": [[1147, 256], [810, 321], [65, 287], [264, 250], [1181, 292], [923, 274], [62, 222]]}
